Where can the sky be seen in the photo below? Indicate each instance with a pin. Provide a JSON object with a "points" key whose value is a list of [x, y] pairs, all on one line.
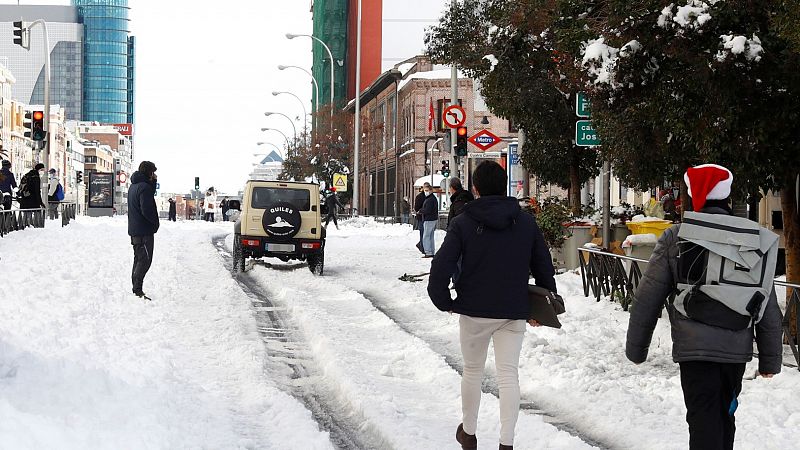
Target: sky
{"points": [[205, 73]]}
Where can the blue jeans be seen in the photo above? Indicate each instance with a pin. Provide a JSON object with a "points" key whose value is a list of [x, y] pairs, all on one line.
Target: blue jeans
{"points": [[428, 242]]}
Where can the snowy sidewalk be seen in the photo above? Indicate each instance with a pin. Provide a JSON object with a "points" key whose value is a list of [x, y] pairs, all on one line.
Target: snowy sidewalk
{"points": [[579, 373], [85, 364]]}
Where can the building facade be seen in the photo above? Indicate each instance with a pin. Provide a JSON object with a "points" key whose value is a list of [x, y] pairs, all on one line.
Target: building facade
{"points": [[108, 62], [66, 56]]}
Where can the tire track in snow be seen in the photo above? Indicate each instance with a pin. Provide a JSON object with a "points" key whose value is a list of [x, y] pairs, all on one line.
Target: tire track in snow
{"points": [[489, 385], [292, 364]]}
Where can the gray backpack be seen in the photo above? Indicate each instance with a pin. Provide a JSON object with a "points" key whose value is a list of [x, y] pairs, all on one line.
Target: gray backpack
{"points": [[726, 266]]}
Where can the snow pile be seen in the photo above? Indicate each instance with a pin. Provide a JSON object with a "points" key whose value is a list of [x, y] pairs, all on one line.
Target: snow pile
{"points": [[738, 45], [692, 16], [643, 218], [85, 364], [492, 61], [639, 239], [599, 59]]}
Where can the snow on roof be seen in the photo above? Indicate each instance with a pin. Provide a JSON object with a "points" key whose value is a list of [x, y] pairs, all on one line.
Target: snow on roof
{"points": [[443, 74], [405, 68]]}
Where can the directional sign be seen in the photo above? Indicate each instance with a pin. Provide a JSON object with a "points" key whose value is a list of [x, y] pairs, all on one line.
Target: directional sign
{"points": [[454, 116], [585, 134], [484, 140], [582, 106], [340, 182]]}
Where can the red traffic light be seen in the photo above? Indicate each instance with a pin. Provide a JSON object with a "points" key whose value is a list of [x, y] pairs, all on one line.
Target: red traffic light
{"points": [[38, 115], [462, 131]]}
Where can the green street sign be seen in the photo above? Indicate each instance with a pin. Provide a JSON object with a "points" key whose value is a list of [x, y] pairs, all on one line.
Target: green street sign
{"points": [[585, 134], [582, 106]]}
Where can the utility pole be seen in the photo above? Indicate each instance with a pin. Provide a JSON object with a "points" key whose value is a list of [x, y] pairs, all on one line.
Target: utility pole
{"points": [[357, 126], [606, 204], [454, 101]]}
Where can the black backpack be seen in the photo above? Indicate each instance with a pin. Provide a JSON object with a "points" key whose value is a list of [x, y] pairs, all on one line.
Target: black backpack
{"points": [[24, 190]]}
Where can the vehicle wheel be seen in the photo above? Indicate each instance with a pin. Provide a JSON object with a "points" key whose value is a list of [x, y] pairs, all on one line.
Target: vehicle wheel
{"points": [[316, 263], [238, 255]]}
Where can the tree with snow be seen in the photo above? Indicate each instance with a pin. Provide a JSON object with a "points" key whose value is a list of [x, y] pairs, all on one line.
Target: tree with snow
{"points": [[675, 84], [517, 51]]}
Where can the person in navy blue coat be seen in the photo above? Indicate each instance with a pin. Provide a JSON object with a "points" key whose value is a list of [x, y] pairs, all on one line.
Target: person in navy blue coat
{"points": [[143, 222], [499, 246]]}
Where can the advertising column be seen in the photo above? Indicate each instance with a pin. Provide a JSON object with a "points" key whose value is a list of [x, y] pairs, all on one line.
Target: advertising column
{"points": [[101, 194]]}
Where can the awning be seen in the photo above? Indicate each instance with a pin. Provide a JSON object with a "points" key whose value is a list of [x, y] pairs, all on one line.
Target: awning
{"points": [[437, 180]]}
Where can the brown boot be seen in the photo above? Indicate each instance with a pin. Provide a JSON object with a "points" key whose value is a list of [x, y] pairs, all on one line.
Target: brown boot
{"points": [[506, 447], [467, 441]]}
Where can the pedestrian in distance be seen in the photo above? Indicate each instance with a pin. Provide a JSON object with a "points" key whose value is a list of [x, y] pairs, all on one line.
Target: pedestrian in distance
{"points": [[142, 222], [7, 184], [55, 194], [720, 270], [173, 210], [29, 194], [332, 205], [430, 216], [405, 211], [499, 246], [459, 197], [223, 206], [419, 200], [211, 204]]}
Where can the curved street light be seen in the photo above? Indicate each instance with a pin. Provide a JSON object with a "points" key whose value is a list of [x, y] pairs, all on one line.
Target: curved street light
{"points": [[280, 150], [288, 145], [292, 36], [313, 81], [272, 113], [302, 105]]}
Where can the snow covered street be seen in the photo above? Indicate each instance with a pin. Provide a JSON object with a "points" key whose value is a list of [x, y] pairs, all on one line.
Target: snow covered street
{"points": [[280, 358]]}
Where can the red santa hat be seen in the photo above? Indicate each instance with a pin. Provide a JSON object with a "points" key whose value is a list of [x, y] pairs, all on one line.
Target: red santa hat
{"points": [[708, 182]]}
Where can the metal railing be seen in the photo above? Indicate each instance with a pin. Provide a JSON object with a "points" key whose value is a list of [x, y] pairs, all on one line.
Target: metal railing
{"points": [[69, 211], [19, 219], [605, 274]]}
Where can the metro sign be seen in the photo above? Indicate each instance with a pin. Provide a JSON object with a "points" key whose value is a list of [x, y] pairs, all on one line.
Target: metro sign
{"points": [[484, 140]]}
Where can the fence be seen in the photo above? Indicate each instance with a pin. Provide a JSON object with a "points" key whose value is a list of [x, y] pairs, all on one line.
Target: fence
{"points": [[69, 211], [617, 277], [19, 219]]}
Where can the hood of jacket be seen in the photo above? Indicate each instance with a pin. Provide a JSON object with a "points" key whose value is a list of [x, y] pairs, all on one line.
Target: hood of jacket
{"points": [[495, 212], [139, 177], [461, 196]]}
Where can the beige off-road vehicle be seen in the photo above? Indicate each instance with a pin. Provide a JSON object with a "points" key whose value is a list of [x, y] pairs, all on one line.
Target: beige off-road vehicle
{"points": [[280, 219]]}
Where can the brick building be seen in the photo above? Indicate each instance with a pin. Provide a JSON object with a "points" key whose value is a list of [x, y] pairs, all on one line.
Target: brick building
{"points": [[395, 121]]}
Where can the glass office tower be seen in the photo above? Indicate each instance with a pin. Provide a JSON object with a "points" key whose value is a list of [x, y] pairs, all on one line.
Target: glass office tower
{"points": [[107, 69]]}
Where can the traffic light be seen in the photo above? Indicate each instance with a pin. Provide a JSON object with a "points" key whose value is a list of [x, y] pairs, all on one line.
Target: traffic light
{"points": [[37, 126], [445, 168], [27, 125], [461, 141], [22, 34], [78, 176], [196, 183]]}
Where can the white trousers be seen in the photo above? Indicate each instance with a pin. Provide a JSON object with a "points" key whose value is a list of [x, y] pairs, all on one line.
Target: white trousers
{"points": [[507, 336]]}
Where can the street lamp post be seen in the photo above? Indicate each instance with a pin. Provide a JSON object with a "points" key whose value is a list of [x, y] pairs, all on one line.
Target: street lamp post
{"points": [[270, 143], [288, 145], [313, 80], [290, 121], [330, 55], [302, 105]]}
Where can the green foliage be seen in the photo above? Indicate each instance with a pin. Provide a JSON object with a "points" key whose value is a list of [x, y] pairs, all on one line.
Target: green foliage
{"points": [[551, 215], [531, 85]]}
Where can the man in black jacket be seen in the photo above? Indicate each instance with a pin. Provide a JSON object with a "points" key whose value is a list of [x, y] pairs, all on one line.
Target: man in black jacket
{"points": [[7, 184], [30, 189], [142, 222], [459, 197], [499, 247], [712, 359], [419, 200]]}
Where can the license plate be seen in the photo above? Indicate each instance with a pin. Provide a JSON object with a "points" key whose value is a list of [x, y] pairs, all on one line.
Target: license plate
{"points": [[280, 248]]}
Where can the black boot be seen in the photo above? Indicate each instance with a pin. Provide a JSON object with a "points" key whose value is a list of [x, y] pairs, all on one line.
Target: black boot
{"points": [[506, 447], [467, 441]]}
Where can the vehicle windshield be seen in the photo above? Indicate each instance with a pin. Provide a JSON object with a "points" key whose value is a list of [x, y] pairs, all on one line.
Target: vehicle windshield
{"points": [[264, 197]]}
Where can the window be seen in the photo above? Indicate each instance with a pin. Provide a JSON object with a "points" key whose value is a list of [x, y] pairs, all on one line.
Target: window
{"points": [[264, 197]]}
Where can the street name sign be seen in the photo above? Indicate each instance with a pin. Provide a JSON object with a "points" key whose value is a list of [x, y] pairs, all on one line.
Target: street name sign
{"points": [[484, 140], [583, 108], [585, 134]]}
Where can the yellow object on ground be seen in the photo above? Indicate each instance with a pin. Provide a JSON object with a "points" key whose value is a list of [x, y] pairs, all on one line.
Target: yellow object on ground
{"points": [[655, 227]]}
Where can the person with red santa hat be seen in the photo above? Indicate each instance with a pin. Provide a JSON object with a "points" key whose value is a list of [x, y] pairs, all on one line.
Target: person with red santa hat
{"points": [[717, 271]]}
